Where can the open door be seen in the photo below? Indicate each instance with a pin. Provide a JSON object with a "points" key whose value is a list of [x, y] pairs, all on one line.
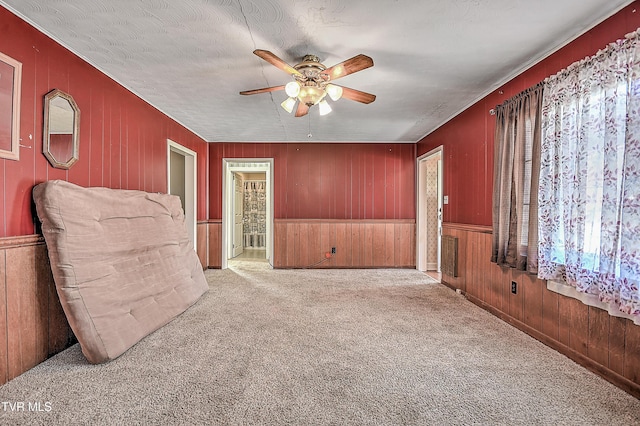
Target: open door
{"points": [[429, 199], [182, 181], [238, 198]]}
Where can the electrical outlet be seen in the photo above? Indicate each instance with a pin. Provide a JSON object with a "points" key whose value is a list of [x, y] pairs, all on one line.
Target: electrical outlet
{"points": [[333, 250], [514, 287]]}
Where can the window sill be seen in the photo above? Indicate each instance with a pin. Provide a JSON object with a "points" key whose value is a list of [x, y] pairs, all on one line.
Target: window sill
{"points": [[589, 299]]}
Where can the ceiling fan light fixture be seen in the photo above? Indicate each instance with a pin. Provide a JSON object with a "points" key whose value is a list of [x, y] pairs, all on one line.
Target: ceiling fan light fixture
{"points": [[311, 95], [311, 82], [334, 92], [325, 108], [288, 104], [292, 89]]}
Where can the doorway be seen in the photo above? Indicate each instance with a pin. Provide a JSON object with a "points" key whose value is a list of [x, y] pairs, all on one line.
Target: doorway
{"points": [[182, 180], [243, 234], [429, 210]]}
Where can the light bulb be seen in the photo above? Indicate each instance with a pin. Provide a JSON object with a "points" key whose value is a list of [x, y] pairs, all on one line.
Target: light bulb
{"points": [[324, 107], [334, 92], [292, 89], [288, 104], [311, 95]]}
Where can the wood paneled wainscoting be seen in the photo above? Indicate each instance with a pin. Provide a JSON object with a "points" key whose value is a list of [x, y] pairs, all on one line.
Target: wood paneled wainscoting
{"points": [[209, 242], [606, 345], [33, 326], [302, 243]]}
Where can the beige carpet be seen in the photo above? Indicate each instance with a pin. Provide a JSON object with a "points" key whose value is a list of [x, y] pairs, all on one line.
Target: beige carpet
{"points": [[318, 347]]}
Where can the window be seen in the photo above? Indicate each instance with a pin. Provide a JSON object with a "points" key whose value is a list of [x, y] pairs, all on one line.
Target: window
{"points": [[589, 194]]}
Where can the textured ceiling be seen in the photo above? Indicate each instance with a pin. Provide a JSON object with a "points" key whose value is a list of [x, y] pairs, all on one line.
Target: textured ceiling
{"points": [[433, 58]]}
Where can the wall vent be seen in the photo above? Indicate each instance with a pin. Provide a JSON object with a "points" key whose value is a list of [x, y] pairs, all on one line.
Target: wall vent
{"points": [[449, 261]]}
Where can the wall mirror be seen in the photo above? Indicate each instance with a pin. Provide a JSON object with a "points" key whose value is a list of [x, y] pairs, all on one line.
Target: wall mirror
{"points": [[61, 129]]}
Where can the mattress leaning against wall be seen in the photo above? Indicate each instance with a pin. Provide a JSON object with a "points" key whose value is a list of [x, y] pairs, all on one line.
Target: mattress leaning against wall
{"points": [[122, 262]]}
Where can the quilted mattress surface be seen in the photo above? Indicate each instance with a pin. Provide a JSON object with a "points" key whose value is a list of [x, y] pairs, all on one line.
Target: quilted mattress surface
{"points": [[122, 262]]}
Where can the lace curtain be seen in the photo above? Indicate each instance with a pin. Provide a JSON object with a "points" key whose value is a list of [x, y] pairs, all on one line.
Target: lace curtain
{"points": [[589, 196], [254, 221], [515, 181]]}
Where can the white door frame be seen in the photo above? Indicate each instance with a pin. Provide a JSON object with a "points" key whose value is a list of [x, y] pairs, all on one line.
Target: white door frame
{"points": [[421, 205], [190, 183], [247, 165]]}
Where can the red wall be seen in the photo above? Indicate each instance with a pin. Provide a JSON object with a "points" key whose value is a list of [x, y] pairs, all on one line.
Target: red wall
{"points": [[123, 144], [328, 181], [122, 138], [468, 138]]}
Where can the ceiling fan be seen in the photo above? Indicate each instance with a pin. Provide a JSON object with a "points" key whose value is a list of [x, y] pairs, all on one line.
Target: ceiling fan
{"points": [[312, 82]]}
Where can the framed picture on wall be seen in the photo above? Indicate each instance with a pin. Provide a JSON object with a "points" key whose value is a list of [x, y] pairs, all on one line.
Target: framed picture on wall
{"points": [[10, 80]]}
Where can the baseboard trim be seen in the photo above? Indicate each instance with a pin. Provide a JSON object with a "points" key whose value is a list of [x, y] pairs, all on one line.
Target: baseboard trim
{"points": [[446, 284], [21, 241]]}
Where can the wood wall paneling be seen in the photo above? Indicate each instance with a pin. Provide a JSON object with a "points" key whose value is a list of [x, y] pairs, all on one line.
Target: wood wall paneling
{"points": [[564, 320], [59, 334], [632, 353], [462, 258], [202, 242], [32, 323], [342, 257], [606, 345], [404, 241], [351, 256], [504, 288], [123, 139], [516, 301], [4, 356], [491, 295], [550, 314], [317, 240], [468, 166], [214, 248], [329, 241], [279, 244], [471, 247], [413, 244], [26, 312], [344, 181], [389, 244], [616, 334], [378, 244], [598, 336], [485, 268], [302, 248], [579, 326], [532, 294], [367, 244], [359, 244], [290, 247], [356, 248]]}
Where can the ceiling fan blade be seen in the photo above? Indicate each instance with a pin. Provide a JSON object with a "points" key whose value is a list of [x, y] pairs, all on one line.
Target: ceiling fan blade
{"points": [[277, 62], [355, 64], [263, 90], [302, 110], [357, 95]]}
